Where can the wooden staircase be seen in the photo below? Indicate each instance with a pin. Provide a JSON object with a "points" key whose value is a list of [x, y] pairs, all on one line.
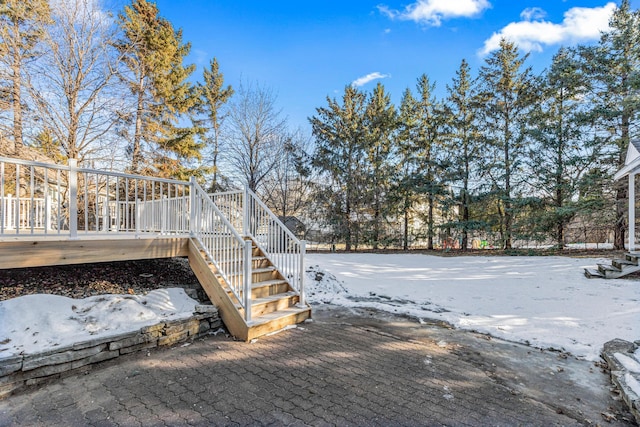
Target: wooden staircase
{"points": [[274, 303], [618, 268]]}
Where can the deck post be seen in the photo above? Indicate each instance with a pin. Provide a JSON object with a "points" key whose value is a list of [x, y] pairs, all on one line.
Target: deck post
{"points": [[632, 212], [246, 278], [73, 198], [245, 212], [192, 205], [303, 250]]}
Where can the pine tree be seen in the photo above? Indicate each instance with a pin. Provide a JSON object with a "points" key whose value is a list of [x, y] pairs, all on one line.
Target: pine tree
{"points": [[428, 142], [507, 94], [463, 142], [559, 156], [613, 68], [404, 189], [153, 54], [214, 96], [380, 122], [22, 27], [340, 150]]}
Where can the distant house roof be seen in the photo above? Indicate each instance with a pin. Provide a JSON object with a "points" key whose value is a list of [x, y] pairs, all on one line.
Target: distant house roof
{"points": [[631, 162]]}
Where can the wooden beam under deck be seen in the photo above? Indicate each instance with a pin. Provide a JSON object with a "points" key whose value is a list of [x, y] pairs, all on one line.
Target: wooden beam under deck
{"points": [[39, 253]]}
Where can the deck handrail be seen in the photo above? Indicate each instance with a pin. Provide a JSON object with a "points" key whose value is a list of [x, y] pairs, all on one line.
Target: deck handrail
{"points": [[283, 249], [224, 246], [89, 201]]}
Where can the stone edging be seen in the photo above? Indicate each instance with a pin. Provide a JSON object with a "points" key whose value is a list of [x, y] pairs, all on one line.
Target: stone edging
{"points": [[20, 371], [620, 376]]}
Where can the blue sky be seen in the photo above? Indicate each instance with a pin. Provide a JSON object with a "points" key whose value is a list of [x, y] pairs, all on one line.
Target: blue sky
{"points": [[306, 51]]}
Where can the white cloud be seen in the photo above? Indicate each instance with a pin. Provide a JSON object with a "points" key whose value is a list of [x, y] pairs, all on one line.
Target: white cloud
{"points": [[533, 33], [533, 13], [361, 81], [432, 12]]}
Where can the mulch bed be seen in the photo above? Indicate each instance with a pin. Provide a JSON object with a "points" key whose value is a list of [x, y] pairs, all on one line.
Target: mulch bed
{"points": [[84, 280]]}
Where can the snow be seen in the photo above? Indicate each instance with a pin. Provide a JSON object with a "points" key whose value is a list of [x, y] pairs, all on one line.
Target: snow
{"points": [[33, 323], [632, 383], [630, 364], [542, 301]]}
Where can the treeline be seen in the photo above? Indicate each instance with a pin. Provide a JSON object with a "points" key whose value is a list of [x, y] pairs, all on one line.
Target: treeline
{"points": [[505, 153]]}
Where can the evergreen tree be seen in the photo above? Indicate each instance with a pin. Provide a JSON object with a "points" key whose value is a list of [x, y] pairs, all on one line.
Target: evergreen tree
{"points": [[404, 187], [214, 96], [428, 143], [612, 67], [380, 122], [559, 156], [463, 143], [153, 54], [507, 94], [22, 27], [340, 150]]}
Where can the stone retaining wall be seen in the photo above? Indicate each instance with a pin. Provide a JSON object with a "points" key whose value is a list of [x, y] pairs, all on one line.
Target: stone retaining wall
{"points": [[621, 376], [19, 371]]}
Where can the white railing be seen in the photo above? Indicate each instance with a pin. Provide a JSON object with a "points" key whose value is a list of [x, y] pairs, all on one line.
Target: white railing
{"points": [[285, 251], [230, 253], [42, 198]]}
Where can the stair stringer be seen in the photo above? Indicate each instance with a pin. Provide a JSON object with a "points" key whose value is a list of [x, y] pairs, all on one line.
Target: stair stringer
{"points": [[205, 273]]}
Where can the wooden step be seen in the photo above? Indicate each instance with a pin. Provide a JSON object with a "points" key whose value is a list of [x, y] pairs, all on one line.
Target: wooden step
{"points": [[593, 274], [620, 263], [278, 302], [258, 274], [277, 320], [604, 269], [632, 257], [269, 287], [265, 305]]}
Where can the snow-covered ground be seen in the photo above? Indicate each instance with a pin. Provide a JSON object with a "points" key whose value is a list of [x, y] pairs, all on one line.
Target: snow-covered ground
{"points": [[543, 301], [33, 323]]}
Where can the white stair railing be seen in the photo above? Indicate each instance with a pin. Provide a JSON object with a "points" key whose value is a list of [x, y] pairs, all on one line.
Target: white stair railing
{"points": [[285, 251], [224, 246]]}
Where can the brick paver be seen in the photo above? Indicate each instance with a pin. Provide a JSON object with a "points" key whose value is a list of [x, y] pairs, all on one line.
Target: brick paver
{"points": [[323, 373]]}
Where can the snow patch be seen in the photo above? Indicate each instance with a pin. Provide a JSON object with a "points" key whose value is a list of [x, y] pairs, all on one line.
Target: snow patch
{"points": [[34, 323]]}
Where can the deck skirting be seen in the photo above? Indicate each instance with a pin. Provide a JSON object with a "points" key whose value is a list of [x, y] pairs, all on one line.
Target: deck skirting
{"points": [[29, 252]]}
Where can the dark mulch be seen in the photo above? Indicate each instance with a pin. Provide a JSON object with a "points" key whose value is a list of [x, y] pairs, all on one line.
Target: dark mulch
{"points": [[83, 280]]}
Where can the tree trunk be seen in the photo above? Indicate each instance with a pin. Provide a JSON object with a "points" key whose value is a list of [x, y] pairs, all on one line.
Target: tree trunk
{"points": [[405, 242], [136, 155], [17, 103], [430, 223]]}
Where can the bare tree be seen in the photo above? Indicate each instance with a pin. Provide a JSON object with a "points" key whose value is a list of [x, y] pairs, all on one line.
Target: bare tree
{"points": [[75, 90], [287, 190], [257, 134]]}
